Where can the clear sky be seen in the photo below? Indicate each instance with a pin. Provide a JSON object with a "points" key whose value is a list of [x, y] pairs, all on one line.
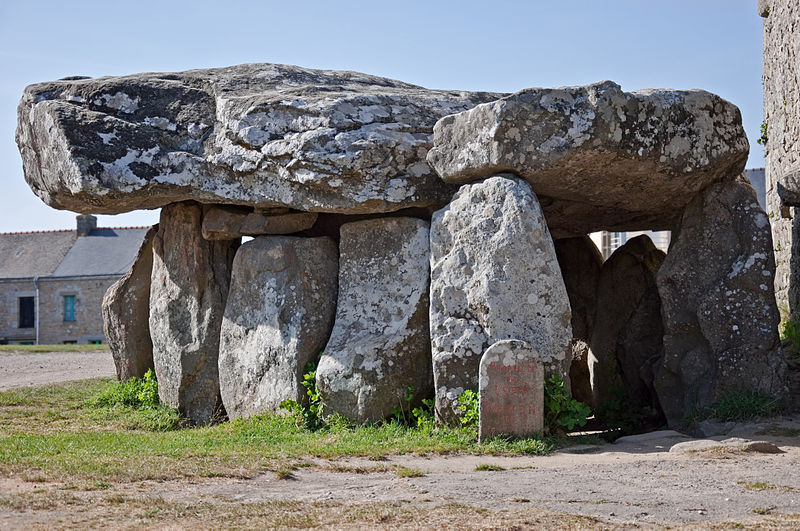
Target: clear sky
{"points": [[492, 45]]}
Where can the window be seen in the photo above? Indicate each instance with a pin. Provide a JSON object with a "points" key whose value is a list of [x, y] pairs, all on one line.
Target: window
{"points": [[95, 341], [70, 342], [69, 307], [27, 314]]}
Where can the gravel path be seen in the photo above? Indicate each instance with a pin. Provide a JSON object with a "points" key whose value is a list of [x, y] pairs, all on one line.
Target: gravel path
{"points": [[23, 370]]}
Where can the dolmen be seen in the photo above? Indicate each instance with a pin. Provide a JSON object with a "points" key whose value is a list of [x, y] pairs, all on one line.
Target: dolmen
{"points": [[396, 233]]}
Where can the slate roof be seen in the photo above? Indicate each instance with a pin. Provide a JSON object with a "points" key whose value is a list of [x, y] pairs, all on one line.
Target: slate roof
{"points": [[33, 254], [105, 251], [102, 252]]}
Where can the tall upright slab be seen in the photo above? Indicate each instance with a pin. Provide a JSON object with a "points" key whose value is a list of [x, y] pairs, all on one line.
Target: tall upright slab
{"points": [[188, 290], [494, 276], [278, 317], [126, 315], [380, 345], [511, 391], [718, 305]]}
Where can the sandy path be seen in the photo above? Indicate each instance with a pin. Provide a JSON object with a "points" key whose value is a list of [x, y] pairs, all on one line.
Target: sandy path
{"points": [[23, 370]]}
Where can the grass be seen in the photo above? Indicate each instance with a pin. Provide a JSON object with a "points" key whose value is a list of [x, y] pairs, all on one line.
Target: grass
{"points": [[488, 468], [763, 485], [58, 433], [32, 349]]}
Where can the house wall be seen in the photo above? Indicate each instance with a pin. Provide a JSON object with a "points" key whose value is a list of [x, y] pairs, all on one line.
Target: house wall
{"points": [[782, 119], [53, 329], [10, 291]]}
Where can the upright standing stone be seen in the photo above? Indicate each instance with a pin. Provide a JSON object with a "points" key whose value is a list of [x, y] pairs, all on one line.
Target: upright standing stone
{"points": [[494, 276], [511, 391], [187, 299], [279, 315], [380, 344], [627, 340], [580, 262], [718, 306], [126, 315]]}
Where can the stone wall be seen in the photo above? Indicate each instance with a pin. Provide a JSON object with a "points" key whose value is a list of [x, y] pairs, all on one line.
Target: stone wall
{"points": [[53, 329], [782, 119], [10, 292]]}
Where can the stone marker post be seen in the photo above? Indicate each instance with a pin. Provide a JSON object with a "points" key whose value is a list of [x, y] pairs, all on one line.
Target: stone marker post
{"points": [[510, 390]]}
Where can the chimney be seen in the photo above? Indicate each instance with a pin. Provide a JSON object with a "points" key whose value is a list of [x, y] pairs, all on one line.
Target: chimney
{"points": [[86, 223]]}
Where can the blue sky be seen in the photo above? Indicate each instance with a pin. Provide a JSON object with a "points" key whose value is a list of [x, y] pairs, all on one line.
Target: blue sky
{"points": [[496, 46]]}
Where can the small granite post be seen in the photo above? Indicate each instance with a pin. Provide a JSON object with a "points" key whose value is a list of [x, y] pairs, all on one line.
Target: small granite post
{"points": [[511, 390]]}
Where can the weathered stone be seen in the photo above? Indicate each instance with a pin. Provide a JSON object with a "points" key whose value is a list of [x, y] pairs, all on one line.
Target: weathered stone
{"points": [[254, 134], [494, 276], [126, 315], [627, 340], [510, 390], [256, 224], [615, 160], [278, 316], [718, 307], [580, 262], [231, 222], [380, 344], [188, 290]]}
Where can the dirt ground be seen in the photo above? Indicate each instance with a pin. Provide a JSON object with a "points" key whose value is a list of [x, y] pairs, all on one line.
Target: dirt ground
{"points": [[27, 369], [635, 482]]}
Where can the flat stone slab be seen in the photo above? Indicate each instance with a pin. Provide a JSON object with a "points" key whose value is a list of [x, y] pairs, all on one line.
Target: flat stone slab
{"points": [[604, 158], [254, 134], [511, 391], [735, 443]]}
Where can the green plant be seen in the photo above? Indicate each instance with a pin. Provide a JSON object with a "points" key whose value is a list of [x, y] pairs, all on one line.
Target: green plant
{"points": [[424, 416], [137, 393], [762, 140], [309, 414], [399, 411], [560, 410], [790, 331], [468, 404], [738, 404], [488, 468]]}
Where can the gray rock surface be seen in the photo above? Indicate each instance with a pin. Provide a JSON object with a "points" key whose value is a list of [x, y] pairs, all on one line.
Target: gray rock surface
{"points": [[126, 315], [580, 262], [230, 223], [278, 317], [603, 158], [380, 344], [494, 276], [627, 340], [718, 308], [255, 134], [188, 290]]}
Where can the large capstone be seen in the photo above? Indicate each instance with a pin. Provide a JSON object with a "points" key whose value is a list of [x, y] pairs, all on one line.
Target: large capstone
{"points": [[255, 134], [627, 339], [188, 290], [719, 310], [597, 157], [580, 262], [126, 315], [378, 358], [494, 276], [278, 317]]}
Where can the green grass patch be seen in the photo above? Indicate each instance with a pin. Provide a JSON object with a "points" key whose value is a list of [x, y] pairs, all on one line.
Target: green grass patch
{"points": [[99, 431], [744, 404], [488, 468], [32, 349]]}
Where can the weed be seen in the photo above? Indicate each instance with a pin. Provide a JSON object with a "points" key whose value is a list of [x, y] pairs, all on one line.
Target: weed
{"points": [[284, 473], [406, 472], [521, 500], [140, 397], [307, 415], [743, 404], [779, 431], [561, 411], [488, 468], [468, 405], [399, 411], [762, 510], [102, 485], [762, 140], [424, 415], [790, 332]]}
